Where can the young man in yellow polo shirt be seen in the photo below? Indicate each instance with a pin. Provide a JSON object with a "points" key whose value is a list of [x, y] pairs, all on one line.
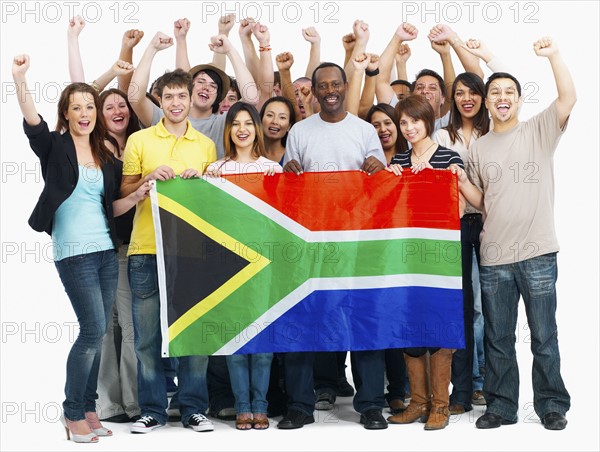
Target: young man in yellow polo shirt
{"points": [[169, 149]]}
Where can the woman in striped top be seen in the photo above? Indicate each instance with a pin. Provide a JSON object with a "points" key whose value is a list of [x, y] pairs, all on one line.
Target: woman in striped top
{"points": [[416, 122]]}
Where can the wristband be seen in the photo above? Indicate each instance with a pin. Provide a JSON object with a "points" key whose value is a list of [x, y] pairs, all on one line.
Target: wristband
{"points": [[372, 73], [266, 48], [95, 86]]}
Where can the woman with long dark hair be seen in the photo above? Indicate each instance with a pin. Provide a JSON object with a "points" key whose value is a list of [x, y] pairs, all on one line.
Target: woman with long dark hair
{"points": [[278, 117], [77, 206]]}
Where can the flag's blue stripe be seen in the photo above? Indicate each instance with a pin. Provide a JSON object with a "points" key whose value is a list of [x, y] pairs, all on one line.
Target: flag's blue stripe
{"points": [[366, 319]]}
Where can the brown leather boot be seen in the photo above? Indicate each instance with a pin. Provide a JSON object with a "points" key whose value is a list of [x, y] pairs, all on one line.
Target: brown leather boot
{"points": [[419, 402], [441, 369]]}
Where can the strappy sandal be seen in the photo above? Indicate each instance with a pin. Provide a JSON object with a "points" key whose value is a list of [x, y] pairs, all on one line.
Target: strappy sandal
{"points": [[243, 423], [260, 423]]}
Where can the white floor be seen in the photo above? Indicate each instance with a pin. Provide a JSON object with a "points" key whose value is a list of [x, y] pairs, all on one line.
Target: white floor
{"points": [[333, 430]]}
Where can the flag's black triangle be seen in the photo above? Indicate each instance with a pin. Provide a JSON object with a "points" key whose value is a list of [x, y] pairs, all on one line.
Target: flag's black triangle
{"points": [[196, 265]]}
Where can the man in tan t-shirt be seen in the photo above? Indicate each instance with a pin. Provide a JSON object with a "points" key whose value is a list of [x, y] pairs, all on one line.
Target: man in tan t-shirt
{"points": [[512, 169]]}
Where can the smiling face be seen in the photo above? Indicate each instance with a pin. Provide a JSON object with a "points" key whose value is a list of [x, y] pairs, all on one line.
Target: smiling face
{"points": [[175, 103], [276, 120], [414, 130], [230, 99], [429, 87], [386, 130], [81, 114], [503, 102], [116, 114], [204, 94], [243, 131], [330, 91], [467, 101]]}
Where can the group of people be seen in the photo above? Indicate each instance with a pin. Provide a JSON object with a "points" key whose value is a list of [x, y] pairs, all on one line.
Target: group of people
{"points": [[110, 144]]}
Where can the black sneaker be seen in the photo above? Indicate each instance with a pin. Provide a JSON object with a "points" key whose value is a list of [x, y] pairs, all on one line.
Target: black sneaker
{"points": [[324, 401], [145, 425], [199, 423]]}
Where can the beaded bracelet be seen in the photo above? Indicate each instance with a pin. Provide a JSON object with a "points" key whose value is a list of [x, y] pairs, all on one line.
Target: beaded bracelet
{"points": [[266, 48]]}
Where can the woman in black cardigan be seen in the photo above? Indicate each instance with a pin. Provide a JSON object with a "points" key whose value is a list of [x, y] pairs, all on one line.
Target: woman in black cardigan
{"points": [[77, 206]]}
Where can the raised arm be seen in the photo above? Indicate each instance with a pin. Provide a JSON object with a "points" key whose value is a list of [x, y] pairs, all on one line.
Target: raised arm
{"points": [[225, 25], [245, 81], [359, 65], [76, 73], [245, 32], [131, 38], [361, 32], [368, 92], [284, 63], [19, 69], [140, 80], [567, 96], [348, 41], [405, 32], [401, 57], [180, 31], [443, 49], [311, 35], [118, 69], [443, 32], [266, 77]]}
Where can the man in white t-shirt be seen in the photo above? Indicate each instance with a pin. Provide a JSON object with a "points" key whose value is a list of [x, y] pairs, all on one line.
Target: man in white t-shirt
{"points": [[333, 140], [513, 166]]}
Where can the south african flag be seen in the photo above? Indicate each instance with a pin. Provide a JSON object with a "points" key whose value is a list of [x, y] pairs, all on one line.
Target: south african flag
{"points": [[317, 262]]}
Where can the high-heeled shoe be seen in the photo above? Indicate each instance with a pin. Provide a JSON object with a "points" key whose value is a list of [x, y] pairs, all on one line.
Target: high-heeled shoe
{"points": [[94, 422], [87, 438]]}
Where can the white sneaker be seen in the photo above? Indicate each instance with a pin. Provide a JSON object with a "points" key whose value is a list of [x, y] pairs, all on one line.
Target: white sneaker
{"points": [[199, 423], [145, 425]]}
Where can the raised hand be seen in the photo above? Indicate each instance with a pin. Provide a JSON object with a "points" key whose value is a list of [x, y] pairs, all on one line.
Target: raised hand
{"points": [[361, 30], [20, 64], [348, 41], [122, 68], [403, 53], [545, 47], [161, 41], [407, 32], [181, 28], [311, 35], [284, 61], [441, 47], [131, 38], [361, 62], [261, 33], [245, 29], [76, 24], [477, 48], [226, 23], [373, 62], [442, 32], [220, 44]]}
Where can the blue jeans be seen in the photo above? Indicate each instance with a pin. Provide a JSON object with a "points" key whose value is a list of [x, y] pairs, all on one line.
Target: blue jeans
{"points": [[191, 374], [478, 322], [501, 286], [249, 376], [90, 281]]}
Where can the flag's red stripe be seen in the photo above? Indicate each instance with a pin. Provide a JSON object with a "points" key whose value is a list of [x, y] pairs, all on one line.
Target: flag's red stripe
{"points": [[351, 200]]}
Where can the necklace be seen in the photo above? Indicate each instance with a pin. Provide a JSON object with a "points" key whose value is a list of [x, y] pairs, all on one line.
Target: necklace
{"points": [[418, 157]]}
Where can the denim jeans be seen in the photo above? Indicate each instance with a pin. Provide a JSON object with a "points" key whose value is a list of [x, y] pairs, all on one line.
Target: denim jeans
{"points": [[250, 381], [462, 359], [191, 374], [90, 281], [478, 322], [368, 369], [501, 286]]}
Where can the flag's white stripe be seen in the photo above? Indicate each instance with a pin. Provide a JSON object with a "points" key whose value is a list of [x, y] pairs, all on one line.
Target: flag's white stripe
{"points": [[160, 269], [329, 236], [360, 282]]}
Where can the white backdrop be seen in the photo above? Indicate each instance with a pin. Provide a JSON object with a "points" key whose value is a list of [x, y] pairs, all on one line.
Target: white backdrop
{"points": [[38, 324]]}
